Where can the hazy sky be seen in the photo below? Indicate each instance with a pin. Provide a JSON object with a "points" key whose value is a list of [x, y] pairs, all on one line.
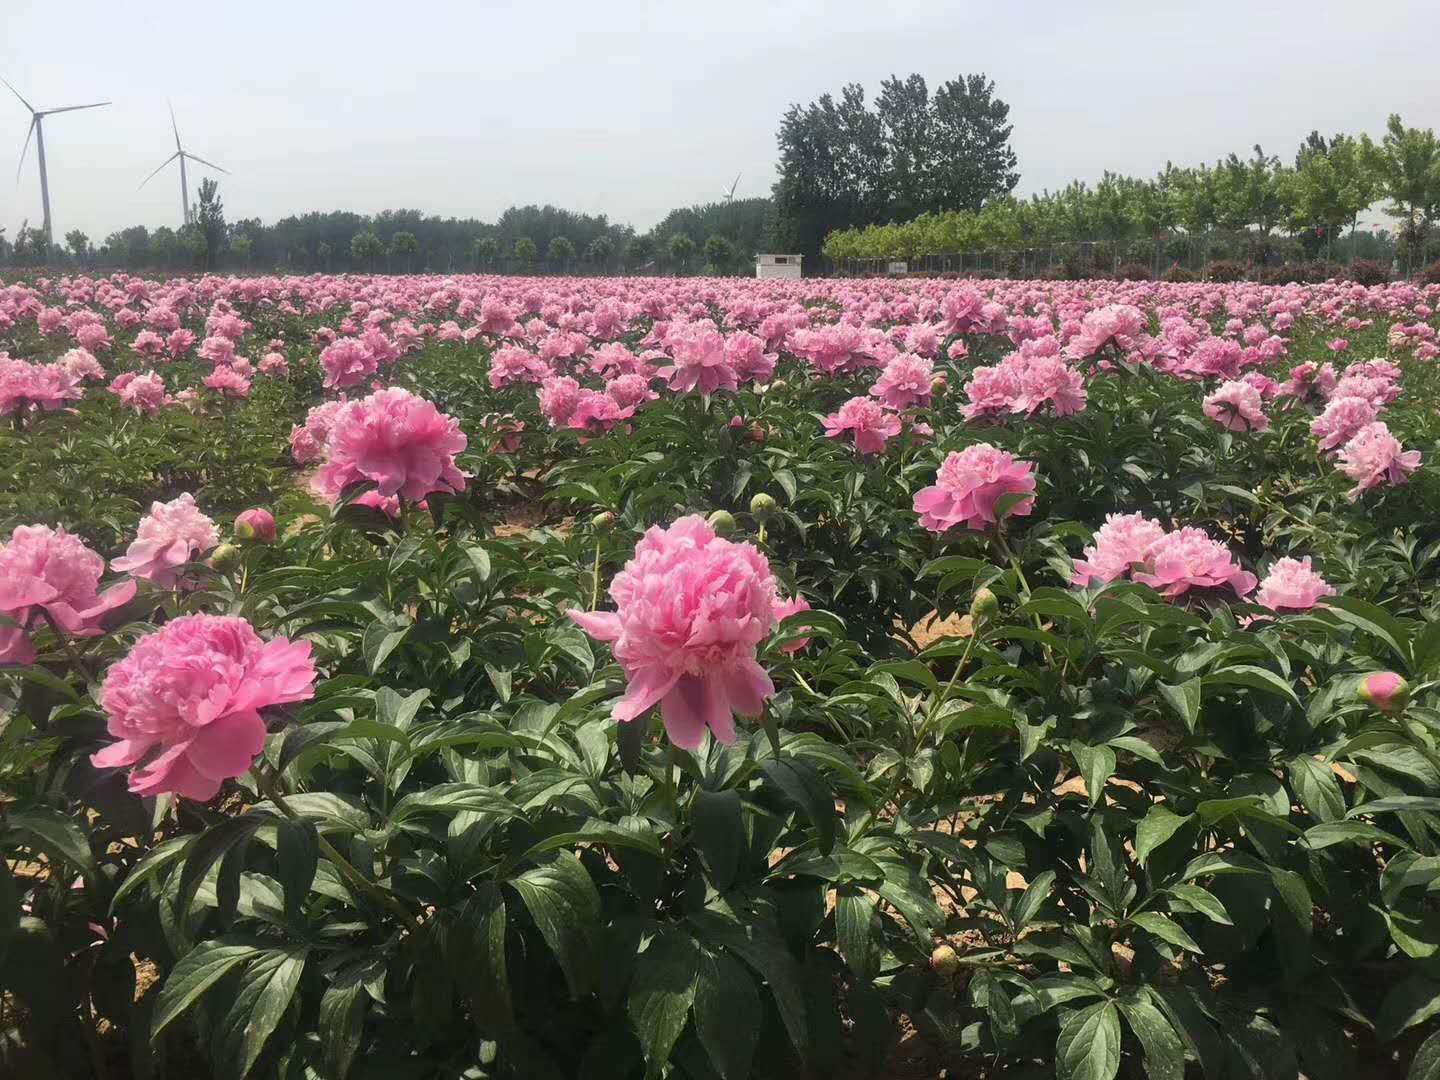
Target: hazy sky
{"points": [[633, 108]]}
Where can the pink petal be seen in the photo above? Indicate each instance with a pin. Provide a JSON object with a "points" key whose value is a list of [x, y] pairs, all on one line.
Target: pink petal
{"points": [[646, 686], [228, 747], [601, 625]]}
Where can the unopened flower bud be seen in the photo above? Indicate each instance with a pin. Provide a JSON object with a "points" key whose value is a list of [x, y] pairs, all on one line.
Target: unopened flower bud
{"points": [[762, 506], [944, 960], [604, 520], [937, 385], [985, 606], [779, 386], [723, 522], [257, 525], [1386, 690], [225, 557]]}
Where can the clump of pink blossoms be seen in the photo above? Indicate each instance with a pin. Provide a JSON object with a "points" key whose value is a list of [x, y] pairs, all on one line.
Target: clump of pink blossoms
{"points": [[171, 535], [307, 440], [867, 420], [1237, 406], [692, 608], [184, 704], [48, 573], [401, 443], [905, 382], [969, 485], [347, 362], [1373, 457], [1292, 586], [144, 393], [1341, 420], [1121, 543], [1172, 563]]}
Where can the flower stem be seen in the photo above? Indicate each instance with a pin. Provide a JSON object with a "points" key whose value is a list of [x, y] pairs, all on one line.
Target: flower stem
{"points": [[595, 580]]}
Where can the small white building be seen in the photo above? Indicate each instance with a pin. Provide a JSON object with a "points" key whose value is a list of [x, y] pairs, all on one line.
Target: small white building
{"points": [[778, 266]]}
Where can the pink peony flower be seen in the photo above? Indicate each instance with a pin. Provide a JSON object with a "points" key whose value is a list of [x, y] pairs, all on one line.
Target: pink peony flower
{"points": [[1374, 456], [701, 362], [228, 382], [905, 382], [25, 386], [307, 440], [256, 524], [275, 365], [184, 704], [630, 391], [81, 365], [1237, 406], [784, 608], [969, 485], [395, 440], [1121, 543], [1338, 344], [171, 535], [1292, 586], [47, 572], [1188, 559], [1342, 419], [691, 610], [1115, 324], [347, 362], [867, 420], [512, 365], [746, 354], [144, 393], [1386, 690], [559, 396], [179, 342]]}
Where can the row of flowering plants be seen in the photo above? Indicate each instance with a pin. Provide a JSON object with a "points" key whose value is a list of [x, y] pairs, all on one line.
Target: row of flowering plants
{"points": [[477, 677]]}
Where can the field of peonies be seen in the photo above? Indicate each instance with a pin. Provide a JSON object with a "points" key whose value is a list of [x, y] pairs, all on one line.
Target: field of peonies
{"points": [[618, 678]]}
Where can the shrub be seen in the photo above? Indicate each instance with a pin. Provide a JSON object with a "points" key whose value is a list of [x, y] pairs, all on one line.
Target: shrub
{"points": [[1224, 271], [1178, 274], [1365, 272], [1431, 274], [1133, 271]]}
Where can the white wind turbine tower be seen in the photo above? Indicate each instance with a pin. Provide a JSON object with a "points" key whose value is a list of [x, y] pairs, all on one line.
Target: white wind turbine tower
{"points": [[182, 154], [730, 191], [37, 129]]}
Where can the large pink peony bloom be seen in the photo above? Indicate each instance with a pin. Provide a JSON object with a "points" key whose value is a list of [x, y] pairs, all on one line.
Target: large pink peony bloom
{"points": [[968, 486], [691, 609], [49, 572], [1188, 559], [1292, 586], [1341, 420], [171, 535], [228, 382], [701, 361], [395, 440], [1114, 324], [347, 362], [512, 365], [307, 440], [25, 386], [1122, 542], [1373, 457], [144, 393], [558, 396], [867, 420], [906, 381], [186, 701], [1237, 406]]}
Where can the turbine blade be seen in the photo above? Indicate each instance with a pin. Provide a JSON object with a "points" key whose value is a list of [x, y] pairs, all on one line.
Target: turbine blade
{"points": [[17, 94], [24, 149], [152, 176], [173, 126], [202, 161], [72, 108]]}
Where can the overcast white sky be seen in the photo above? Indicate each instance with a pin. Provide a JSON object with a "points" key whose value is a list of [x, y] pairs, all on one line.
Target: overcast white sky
{"points": [[631, 108]]}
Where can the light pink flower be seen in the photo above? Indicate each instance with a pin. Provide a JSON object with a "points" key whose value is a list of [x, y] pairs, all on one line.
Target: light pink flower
{"points": [[144, 393], [347, 362], [905, 382], [228, 382], [25, 386], [49, 572], [1188, 559], [1237, 406], [307, 440], [1121, 543], [691, 609], [82, 365], [1338, 344], [1342, 419], [171, 535], [784, 608], [558, 396], [867, 420], [630, 391], [1114, 324], [512, 365], [179, 342], [275, 365], [184, 704], [1292, 586], [969, 485], [397, 441], [1374, 456], [701, 363]]}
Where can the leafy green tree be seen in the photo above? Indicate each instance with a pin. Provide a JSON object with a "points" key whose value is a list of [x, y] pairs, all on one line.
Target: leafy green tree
{"points": [[681, 248], [908, 125], [324, 252], [210, 219], [1406, 166], [973, 159], [78, 243], [525, 252], [190, 242], [640, 251], [365, 248], [601, 251], [242, 245], [719, 253], [404, 246], [487, 250], [561, 251]]}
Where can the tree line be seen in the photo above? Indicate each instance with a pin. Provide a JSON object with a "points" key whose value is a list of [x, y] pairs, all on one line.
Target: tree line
{"points": [[1248, 205]]}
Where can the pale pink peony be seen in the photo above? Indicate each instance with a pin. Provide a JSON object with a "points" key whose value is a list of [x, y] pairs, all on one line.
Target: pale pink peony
{"points": [[905, 382], [395, 440], [630, 391], [25, 386], [275, 365], [81, 365], [1292, 586], [512, 365], [746, 354], [691, 610], [144, 393], [1237, 406], [784, 608], [347, 362], [179, 342], [1113, 325], [228, 382], [867, 420], [1188, 559], [701, 362], [171, 535], [47, 572], [558, 396], [307, 440], [1342, 419], [1374, 456], [1122, 542], [969, 485], [184, 703]]}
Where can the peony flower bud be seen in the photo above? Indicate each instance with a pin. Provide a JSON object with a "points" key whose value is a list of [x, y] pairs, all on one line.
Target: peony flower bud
{"points": [[779, 386], [723, 522], [257, 525], [762, 506], [985, 606], [604, 520], [225, 557], [1386, 690], [944, 960]]}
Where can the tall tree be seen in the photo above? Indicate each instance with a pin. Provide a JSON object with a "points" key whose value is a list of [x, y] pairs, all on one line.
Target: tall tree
{"points": [[908, 125], [1406, 163], [971, 137], [210, 217]]}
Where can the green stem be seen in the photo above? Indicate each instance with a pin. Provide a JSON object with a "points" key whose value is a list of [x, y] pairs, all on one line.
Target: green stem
{"points": [[595, 579]]}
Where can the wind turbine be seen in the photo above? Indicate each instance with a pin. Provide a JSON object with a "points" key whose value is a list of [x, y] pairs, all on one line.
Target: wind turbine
{"points": [[182, 154], [37, 129], [730, 191]]}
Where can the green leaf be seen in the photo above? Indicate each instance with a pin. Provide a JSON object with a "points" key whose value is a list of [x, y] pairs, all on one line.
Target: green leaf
{"points": [[266, 987], [1318, 837], [1097, 765], [1202, 901], [1184, 699], [718, 832], [1425, 1065], [1033, 898], [341, 1025], [1256, 678], [765, 951], [475, 949], [1166, 929], [1408, 1003], [194, 973], [396, 710], [205, 850], [1089, 1044], [1158, 825], [562, 900], [1375, 621], [727, 1014], [378, 642], [855, 931], [1163, 1050], [807, 789], [61, 839], [1317, 788], [297, 854], [1403, 804], [661, 994]]}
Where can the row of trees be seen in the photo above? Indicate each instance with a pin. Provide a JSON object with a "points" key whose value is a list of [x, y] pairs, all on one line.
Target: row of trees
{"points": [[1330, 183], [844, 165]]}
